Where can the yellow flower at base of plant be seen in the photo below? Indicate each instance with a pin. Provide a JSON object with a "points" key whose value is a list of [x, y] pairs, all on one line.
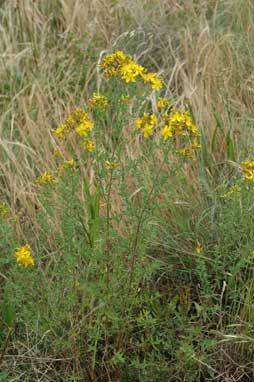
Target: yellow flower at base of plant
{"points": [[24, 256], [162, 103], [153, 79], [248, 169], [45, 178], [98, 100], [89, 145], [130, 71]]}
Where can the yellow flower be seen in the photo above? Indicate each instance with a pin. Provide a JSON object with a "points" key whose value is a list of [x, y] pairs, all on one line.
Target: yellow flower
{"points": [[199, 248], [57, 153], [112, 63], [85, 126], [140, 121], [45, 178], [186, 151], [111, 164], [24, 257], [67, 164], [77, 114], [235, 189], [89, 145], [98, 100], [153, 79], [248, 169], [147, 123], [130, 71], [4, 210], [195, 145], [167, 132], [147, 118], [147, 130], [60, 131], [162, 103], [125, 98], [180, 124], [75, 118]]}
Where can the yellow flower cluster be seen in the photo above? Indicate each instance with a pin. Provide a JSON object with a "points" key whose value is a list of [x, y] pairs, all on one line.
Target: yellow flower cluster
{"points": [[89, 145], [111, 164], [57, 153], [147, 123], [162, 103], [24, 256], [199, 248], [85, 125], [187, 151], [66, 164], [79, 121], [5, 211], [178, 123], [123, 65], [112, 63], [45, 178], [248, 169], [130, 71], [98, 100], [48, 178], [125, 98], [153, 79], [235, 189]]}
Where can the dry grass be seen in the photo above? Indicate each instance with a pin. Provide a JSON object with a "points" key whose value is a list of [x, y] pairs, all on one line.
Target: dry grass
{"points": [[204, 50]]}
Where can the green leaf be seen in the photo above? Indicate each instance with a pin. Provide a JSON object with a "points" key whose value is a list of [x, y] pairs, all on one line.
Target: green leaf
{"points": [[219, 126], [230, 147], [7, 312], [214, 139], [3, 376]]}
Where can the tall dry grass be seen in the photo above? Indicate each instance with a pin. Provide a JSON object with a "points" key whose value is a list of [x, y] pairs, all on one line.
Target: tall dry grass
{"points": [[48, 55]]}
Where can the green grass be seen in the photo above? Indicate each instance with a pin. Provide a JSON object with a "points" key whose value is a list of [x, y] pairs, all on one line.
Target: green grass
{"points": [[143, 272]]}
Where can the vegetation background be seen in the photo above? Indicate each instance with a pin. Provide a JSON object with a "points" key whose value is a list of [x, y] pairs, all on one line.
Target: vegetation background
{"points": [[161, 287]]}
